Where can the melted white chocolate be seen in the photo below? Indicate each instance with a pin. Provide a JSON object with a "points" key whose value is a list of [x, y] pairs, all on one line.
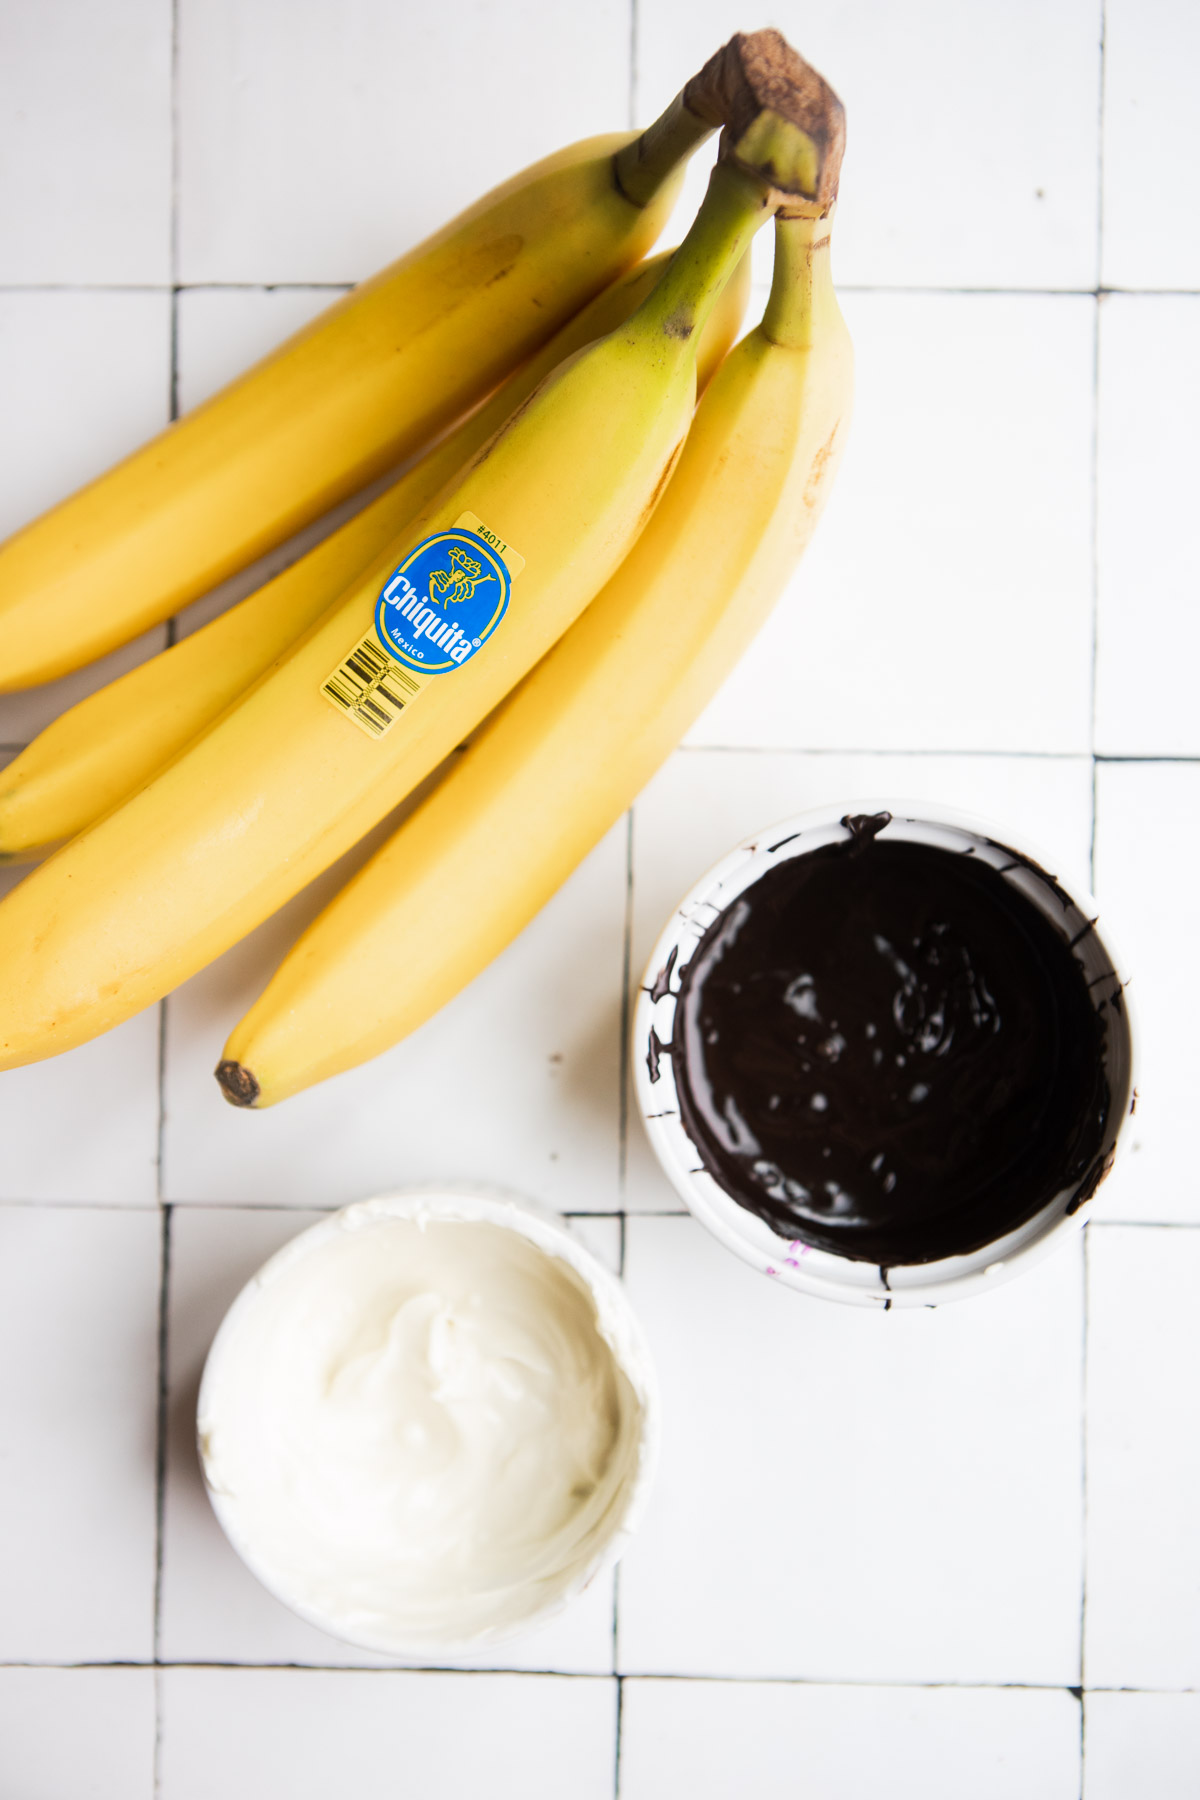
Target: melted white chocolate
{"points": [[417, 1431]]}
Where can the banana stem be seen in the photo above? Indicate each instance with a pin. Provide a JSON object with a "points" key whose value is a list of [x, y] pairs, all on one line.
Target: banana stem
{"points": [[736, 204], [643, 165], [801, 282]]}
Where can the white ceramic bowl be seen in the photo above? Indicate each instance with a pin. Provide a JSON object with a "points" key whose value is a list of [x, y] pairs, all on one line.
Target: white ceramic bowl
{"points": [[1063, 900], [230, 1364]]}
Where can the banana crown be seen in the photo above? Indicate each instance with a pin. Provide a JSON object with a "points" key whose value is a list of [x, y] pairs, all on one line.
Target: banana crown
{"points": [[781, 120]]}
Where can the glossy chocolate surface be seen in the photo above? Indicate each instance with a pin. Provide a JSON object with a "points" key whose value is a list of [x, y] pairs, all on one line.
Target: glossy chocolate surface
{"points": [[885, 1049]]}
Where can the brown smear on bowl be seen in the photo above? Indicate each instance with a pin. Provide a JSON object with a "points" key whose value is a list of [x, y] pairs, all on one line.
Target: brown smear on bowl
{"points": [[887, 1050]]}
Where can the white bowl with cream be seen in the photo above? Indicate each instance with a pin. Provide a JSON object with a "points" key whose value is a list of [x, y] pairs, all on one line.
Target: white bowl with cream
{"points": [[429, 1421]]}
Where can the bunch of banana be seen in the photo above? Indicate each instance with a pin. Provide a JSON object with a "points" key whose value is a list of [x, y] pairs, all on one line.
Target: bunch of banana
{"points": [[386, 682], [569, 750], [359, 389], [96, 754]]}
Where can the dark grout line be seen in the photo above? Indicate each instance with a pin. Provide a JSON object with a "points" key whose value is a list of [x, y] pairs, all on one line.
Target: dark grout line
{"points": [[268, 287], [85, 287], [1083, 1449], [1094, 668], [1095, 672], [616, 1590], [161, 1408], [1099, 292], [121, 1206], [1092, 842], [1163, 293], [623, 1052], [1143, 1225], [156, 1764], [173, 378], [179, 287], [866, 750], [175, 158], [172, 624], [1098, 756], [161, 1076], [617, 1747], [623, 1216], [920, 290], [160, 1453], [600, 1674], [804, 1681], [350, 282], [1095, 782], [923, 1687], [1095, 443]]}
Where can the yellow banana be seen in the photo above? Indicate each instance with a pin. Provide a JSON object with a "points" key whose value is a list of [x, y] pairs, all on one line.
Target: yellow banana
{"points": [[356, 391], [99, 752], [568, 751], [286, 780]]}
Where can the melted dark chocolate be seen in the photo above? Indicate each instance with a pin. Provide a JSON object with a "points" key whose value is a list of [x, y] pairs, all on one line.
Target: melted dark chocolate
{"points": [[886, 1050]]}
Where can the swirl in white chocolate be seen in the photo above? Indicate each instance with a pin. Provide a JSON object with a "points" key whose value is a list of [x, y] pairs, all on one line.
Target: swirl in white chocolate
{"points": [[418, 1432]]}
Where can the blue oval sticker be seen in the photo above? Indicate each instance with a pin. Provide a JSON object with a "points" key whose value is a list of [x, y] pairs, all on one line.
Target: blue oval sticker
{"points": [[443, 602]]}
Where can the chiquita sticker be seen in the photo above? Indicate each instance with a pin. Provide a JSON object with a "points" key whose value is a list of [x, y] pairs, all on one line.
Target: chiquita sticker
{"points": [[444, 601]]}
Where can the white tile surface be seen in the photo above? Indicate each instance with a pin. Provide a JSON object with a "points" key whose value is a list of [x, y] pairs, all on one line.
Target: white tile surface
{"points": [[83, 1126], [856, 1496], [534, 1041], [946, 599], [78, 1350], [710, 1740], [945, 606], [705, 801], [1142, 1744], [1147, 871], [1148, 624], [1151, 144], [85, 134], [972, 130], [85, 379], [309, 1734], [317, 146], [1143, 1566], [213, 1609], [86, 1733], [223, 330]]}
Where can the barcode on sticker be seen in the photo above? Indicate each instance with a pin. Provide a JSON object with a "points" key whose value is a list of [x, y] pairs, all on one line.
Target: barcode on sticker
{"points": [[371, 688]]}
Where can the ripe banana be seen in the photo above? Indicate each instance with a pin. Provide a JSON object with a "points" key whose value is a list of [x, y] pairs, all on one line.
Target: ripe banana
{"points": [[287, 780], [348, 397], [99, 752], [568, 751]]}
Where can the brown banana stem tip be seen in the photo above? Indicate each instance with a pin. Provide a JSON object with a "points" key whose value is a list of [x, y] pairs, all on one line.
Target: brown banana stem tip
{"points": [[782, 121], [237, 1084]]}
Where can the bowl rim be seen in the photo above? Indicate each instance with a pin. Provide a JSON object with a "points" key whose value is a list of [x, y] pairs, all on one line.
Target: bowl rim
{"points": [[550, 1232], [791, 1262]]}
